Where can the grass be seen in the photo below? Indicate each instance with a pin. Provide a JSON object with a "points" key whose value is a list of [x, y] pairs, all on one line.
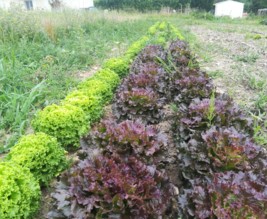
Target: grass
{"points": [[43, 53]]}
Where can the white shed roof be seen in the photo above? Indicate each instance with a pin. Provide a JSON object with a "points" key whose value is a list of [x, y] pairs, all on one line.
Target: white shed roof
{"points": [[235, 2]]}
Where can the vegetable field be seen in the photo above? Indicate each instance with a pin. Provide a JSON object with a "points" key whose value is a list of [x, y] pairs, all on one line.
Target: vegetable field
{"points": [[147, 134]]}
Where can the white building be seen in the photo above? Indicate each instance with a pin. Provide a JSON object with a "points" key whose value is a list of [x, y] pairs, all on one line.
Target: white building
{"points": [[229, 8], [46, 4]]}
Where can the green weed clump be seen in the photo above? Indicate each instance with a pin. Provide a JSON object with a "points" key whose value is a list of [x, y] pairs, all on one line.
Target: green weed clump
{"points": [[118, 65], [90, 104], [66, 122], [40, 153], [19, 192]]}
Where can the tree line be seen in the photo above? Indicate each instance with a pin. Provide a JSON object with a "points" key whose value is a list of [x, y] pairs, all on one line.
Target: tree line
{"points": [[150, 5]]}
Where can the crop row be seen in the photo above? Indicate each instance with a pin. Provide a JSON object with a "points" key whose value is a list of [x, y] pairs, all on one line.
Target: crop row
{"points": [[124, 179], [39, 157], [221, 171]]}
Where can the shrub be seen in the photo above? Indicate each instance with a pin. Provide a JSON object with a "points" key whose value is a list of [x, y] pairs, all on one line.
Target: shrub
{"points": [[96, 87], [91, 104], [67, 123], [118, 65], [129, 138], [19, 192], [111, 187], [138, 103], [41, 154]]}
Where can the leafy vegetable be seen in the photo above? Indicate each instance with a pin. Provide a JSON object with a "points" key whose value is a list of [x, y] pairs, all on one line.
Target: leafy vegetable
{"points": [[239, 195], [111, 187], [187, 84], [41, 154], [139, 103], [19, 191], [67, 123], [90, 104], [118, 65], [181, 55], [129, 138]]}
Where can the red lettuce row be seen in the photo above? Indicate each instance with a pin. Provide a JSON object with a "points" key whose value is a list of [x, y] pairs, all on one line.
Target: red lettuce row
{"points": [[220, 150], [219, 111], [112, 188], [226, 195], [139, 103], [151, 53], [129, 138], [181, 55], [187, 84]]}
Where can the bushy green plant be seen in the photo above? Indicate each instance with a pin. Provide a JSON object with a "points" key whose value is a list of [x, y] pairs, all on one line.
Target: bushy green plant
{"points": [[19, 192], [98, 88], [91, 104], [67, 123], [108, 76], [118, 65], [136, 47], [42, 154], [153, 29]]}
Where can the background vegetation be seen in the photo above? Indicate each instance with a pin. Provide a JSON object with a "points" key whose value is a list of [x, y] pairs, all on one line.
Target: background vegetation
{"points": [[149, 5]]}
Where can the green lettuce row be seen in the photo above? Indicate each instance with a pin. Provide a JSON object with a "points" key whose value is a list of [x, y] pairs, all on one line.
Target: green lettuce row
{"points": [[41, 154], [19, 192], [160, 33]]}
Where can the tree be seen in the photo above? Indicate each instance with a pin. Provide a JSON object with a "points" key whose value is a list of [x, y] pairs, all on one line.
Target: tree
{"points": [[258, 4], [206, 5], [140, 5]]}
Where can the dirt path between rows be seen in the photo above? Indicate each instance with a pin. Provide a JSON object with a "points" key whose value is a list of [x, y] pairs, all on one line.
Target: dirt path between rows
{"points": [[234, 59]]}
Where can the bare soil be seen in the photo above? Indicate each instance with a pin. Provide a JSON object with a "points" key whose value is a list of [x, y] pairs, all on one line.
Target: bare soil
{"points": [[235, 55]]}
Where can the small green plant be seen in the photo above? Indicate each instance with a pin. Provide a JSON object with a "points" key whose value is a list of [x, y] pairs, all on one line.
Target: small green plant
{"points": [[19, 192], [67, 123], [211, 110], [255, 83], [40, 153], [249, 58], [90, 104], [261, 101], [215, 74], [259, 127], [118, 65]]}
